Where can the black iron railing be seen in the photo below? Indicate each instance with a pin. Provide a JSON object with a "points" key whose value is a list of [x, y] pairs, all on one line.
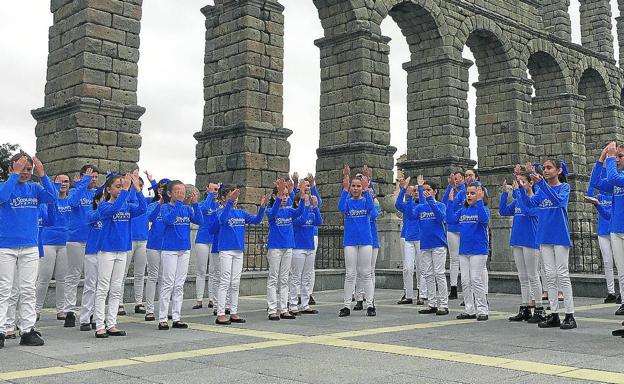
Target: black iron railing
{"points": [[585, 256]]}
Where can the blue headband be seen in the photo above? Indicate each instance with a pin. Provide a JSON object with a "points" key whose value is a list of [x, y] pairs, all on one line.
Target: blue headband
{"points": [[564, 168]]}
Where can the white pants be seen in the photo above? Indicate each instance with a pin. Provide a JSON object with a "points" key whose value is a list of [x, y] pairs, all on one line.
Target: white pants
{"points": [[411, 263], [111, 267], [555, 258], [453, 248], [313, 276], [527, 260], [302, 269], [89, 288], [75, 263], [202, 254], [11, 316], [473, 286], [359, 294], [607, 262], [138, 256], [53, 262], [153, 277], [433, 264], [27, 261], [277, 280], [358, 266], [174, 270], [231, 269], [214, 275], [617, 247]]}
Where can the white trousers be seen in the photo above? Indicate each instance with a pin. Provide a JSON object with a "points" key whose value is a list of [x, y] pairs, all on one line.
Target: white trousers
{"points": [[555, 258], [302, 269], [453, 248], [433, 264], [527, 261], [138, 256], [89, 288], [277, 280], [202, 254], [111, 267], [473, 285], [607, 262], [359, 289], [358, 266], [313, 277], [174, 266], [53, 262], [617, 247], [11, 316], [411, 263], [75, 263], [214, 275], [27, 261], [231, 269], [153, 277]]}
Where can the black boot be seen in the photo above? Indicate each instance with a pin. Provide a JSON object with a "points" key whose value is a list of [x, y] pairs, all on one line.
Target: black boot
{"points": [[538, 316], [359, 305], [618, 299], [611, 298], [453, 294], [552, 321], [523, 314], [70, 320], [568, 322]]}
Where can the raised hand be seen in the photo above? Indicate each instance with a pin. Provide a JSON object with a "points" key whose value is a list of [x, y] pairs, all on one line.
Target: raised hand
{"points": [[504, 186], [290, 185], [420, 180], [263, 201], [428, 193], [346, 178], [194, 198], [515, 184], [452, 194], [517, 169], [311, 180], [306, 200], [346, 171], [528, 167], [404, 183], [212, 187], [366, 171], [88, 172], [314, 202], [519, 181], [410, 190], [611, 149], [592, 200], [135, 180], [295, 178], [233, 195], [365, 183], [126, 181], [77, 178], [38, 166], [20, 165], [302, 185], [480, 193], [148, 175]]}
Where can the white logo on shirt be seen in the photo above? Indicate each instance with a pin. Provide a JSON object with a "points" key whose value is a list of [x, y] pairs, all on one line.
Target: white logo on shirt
{"points": [[283, 221], [182, 220], [468, 219], [358, 213], [236, 222], [426, 216], [546, 203], [24, 202], [121, 216]]}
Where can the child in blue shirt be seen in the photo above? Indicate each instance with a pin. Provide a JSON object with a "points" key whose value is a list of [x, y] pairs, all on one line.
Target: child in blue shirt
{"points": [[90, 265], [203, 245]]}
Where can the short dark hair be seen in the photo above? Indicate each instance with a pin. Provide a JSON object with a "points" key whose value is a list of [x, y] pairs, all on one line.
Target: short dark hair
{"points": [[87, 166], [19, 155]]}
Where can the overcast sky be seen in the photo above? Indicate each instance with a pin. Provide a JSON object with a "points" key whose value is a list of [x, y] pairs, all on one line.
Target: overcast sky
{"points": [[170, 79]]}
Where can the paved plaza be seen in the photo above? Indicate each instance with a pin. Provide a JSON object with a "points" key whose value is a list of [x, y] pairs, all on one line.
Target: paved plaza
{"points": [[397, 346]]}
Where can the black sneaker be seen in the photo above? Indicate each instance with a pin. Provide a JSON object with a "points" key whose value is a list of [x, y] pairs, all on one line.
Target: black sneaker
{"points": [[482, 318], [371, 311], [163, 326], [198, 306], [344, 312], [618, 300], [210, 304], [150, 317], [465, 316], [274, 317], [358, 306], [453, 294], [32, 339], [462, 304], [442, 312], [179, 325], [620, 311], [309, 311], [405, 301], [568, 322], [287, 316], [85, 326], [311, 301], [552, 321], [611, 298], [524, 314], [538, 316], [70, 320], [101, 335], [428, 311], [139, 308], [1, 340]]}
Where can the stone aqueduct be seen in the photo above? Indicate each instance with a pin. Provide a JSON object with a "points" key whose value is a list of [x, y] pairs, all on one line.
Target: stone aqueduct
{"points": [[91, 112]]}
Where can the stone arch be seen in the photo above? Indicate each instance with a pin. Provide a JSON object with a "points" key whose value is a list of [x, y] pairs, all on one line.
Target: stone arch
{"points": [[337, 16], [556, 61], [593, 87], [592, 63]]}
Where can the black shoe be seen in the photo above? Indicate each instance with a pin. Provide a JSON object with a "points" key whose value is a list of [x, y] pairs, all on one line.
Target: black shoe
{"points": [[287, 316], [214, 312], [70, 320], [405, 301], [121, 311], [552, 321], [32, 339], [524, 314], [618, 300], [101, 335], [150, 317], [139, 308], [180, 325], [85, 327], [344, 312], [611, 298], [358, 306], [538, 316], [311, 301], [226, 322], [309, 312], [118, 332], [462, 304], [238, 321], [465, 316], [93, 326], [210, 304], [163, 326], [197, 306], [442, 312], [1, 340], [274, 317], [482, 318], [568, 322], [620, 311], [428, 311], [420, 301], [453, 294], [618, 332], [371, 311], [295, 313], [58, 317]]}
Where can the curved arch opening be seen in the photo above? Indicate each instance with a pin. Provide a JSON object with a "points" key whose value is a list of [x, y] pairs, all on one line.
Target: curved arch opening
{"points": [[593, 87]]}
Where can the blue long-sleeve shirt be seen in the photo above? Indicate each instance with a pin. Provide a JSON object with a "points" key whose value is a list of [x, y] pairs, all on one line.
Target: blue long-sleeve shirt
{"points": [[357, 223], [373, 225], [431, 217], [209, 209], [524, 225], [411, 226], [214, 231], [303, 227], [473, 224], [314, 191], [177, 219], [81, 200], [156, 231], [140, 224], [115, 217], [56, 223], [281, 235], [605, 203], [615, 177], [400, 204], [552, 211], [598, 180], [93, 240], [451, 226], [19, 210], [232, 227]]}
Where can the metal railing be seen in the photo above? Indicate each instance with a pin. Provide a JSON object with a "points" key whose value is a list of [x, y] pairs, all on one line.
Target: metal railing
{"points": [[585, 256]]}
